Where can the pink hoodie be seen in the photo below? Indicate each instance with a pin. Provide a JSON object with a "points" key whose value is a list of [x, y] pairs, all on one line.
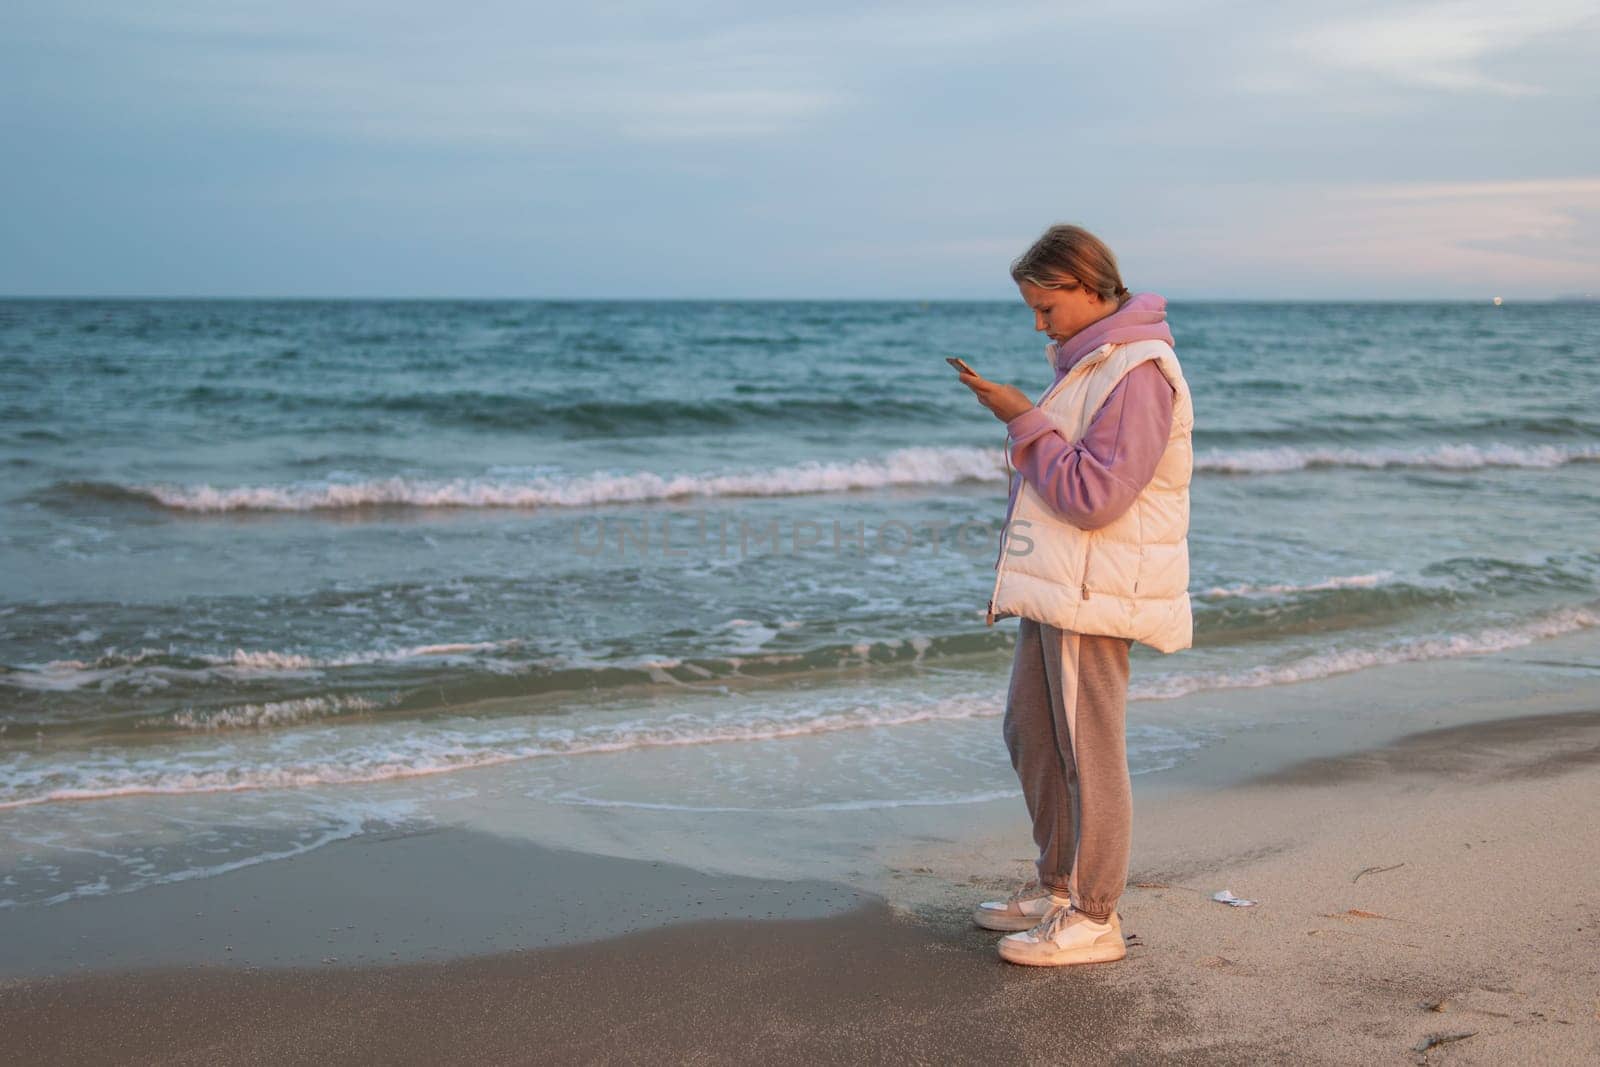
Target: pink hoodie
{"points": [[1094, 480]]}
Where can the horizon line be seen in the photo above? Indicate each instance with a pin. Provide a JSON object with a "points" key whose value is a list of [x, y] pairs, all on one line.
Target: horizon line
{"points": [[1563, 298]]}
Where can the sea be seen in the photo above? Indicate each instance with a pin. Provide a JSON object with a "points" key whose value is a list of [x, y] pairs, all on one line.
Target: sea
{"points": [[280, 574]]}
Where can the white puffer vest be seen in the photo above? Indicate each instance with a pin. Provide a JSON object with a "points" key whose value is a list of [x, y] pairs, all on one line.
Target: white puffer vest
{"points": [[1129, 578]]}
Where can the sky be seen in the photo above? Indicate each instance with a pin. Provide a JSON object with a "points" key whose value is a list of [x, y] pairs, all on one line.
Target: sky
{"points": [[830, 150]]}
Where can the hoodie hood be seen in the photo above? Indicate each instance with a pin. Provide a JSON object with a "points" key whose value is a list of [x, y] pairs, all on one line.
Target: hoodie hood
{"points": [[1142, 318]]}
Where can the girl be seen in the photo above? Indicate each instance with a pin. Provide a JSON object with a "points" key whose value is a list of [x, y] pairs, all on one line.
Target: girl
{"points": [[1094, 556]]}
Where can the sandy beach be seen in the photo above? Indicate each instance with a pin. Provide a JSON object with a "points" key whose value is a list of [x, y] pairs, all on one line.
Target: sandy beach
{"points": [[517, 527], [1424, 895]]}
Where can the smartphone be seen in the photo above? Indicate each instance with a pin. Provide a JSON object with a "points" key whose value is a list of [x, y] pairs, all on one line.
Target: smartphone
{"points": [[961, 365]]}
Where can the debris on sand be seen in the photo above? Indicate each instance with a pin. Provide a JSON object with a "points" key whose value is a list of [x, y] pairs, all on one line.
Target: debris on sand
{"points": [[1375, 870], [1357, 913], [1435, 1040]]}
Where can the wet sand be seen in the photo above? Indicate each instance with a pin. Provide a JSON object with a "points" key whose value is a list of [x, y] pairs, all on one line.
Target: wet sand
{"points": [[436, 894], [867, 986], [1436, 899]]}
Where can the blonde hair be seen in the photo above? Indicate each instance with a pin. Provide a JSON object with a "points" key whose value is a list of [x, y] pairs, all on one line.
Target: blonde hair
{"points": [[1071, 252]]}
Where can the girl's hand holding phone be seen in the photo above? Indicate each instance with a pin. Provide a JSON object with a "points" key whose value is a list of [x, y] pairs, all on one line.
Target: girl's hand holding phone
{"points": [[1005, 401]]}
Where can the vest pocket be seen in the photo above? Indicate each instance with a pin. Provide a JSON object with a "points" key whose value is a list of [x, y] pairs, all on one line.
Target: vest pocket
{"points": [[1105, 572]]}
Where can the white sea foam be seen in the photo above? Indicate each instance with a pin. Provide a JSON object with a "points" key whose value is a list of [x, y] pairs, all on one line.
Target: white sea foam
{"points": [[145, 669], [1327, 664], [102, 886], [428, 750], [420, 753], [900, 776], [272, 713], [1438, 457], [748, 634], [144, 664], [1351, 581], [903, 467], [137, 861], [581, 800]]}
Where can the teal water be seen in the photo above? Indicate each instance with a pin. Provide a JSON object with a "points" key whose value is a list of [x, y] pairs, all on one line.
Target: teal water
{"points": [[274, 548]]}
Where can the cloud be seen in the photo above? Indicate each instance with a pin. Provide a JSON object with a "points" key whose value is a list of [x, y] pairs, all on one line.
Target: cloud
{"points": [[495, 74], [1576, 188], [1521, 233], [1445, 47], [503, 73], [1407, 240], [715, 113], [881, 149]]}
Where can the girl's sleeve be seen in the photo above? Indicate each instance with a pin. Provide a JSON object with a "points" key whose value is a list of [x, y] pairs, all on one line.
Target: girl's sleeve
{"points": [[1091, 482]]}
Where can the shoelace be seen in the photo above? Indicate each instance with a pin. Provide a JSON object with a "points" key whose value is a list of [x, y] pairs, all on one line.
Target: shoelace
{"points": [[1025, 890], [1053, 922]]}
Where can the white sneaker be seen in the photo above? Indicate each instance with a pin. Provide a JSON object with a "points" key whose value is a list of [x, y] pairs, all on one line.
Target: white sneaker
{"points": [[1066, 936], [1022, 910]]}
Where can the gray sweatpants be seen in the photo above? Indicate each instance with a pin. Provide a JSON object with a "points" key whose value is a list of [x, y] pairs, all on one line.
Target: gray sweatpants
{"points": [[1065, 728]]}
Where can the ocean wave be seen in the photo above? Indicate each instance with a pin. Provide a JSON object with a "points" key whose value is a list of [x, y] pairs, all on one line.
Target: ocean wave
{"points": [[903, 467], [418, 681], [1429, 457], [443, 751], [134, 688], [1237, 616], [271, 713], [1353, 581], [1357, 427], [1346, 661], [1232, 615], [550, 416], [907, 467], [167, 665]]}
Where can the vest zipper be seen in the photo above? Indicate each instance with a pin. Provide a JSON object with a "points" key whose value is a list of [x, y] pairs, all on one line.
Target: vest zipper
{"points": [[993, 596], [1088, 546], [1005, 535]]}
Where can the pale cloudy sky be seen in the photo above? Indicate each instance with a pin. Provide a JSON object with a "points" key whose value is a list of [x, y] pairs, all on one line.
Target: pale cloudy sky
{"points": [[739, 150]]}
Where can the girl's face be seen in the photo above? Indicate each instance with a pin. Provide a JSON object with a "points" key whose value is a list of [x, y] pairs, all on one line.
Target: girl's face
{"points": [[1060, 313]]}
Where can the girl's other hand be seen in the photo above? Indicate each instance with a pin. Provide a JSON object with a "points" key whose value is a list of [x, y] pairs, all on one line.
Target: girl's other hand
{"points": [[1006, 401]]}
